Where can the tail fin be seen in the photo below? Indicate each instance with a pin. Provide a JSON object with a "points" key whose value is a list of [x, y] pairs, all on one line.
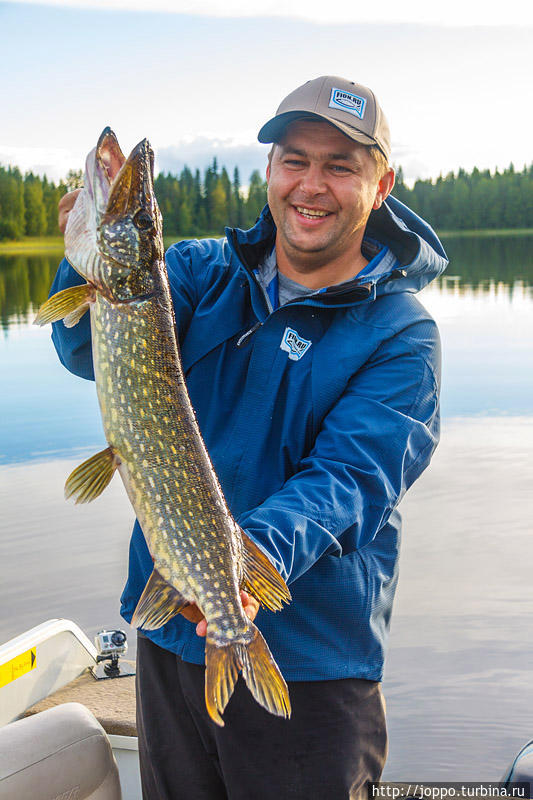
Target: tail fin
{"points": [[259, 670]]}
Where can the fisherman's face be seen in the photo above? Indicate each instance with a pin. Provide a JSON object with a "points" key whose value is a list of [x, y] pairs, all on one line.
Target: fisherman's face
{"points": [[322, 187]]}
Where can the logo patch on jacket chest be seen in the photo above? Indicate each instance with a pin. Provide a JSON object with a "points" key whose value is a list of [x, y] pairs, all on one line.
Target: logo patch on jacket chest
{"points": [[294, 344]]}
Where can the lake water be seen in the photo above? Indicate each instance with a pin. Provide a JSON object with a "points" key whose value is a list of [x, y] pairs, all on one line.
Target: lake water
{"points": [[458, 680]]}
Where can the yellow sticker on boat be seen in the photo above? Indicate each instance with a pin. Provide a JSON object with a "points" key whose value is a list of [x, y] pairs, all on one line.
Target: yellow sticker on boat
{"points": [[18, 666]]}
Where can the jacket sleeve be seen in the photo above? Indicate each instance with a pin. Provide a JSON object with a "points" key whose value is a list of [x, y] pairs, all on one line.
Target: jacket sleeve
{"points": [[372, 445], [73, 345]]}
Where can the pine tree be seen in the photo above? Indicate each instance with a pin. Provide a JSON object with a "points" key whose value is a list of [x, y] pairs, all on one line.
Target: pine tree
{"points": [[257, 197], [237, 199], [35, 212]]}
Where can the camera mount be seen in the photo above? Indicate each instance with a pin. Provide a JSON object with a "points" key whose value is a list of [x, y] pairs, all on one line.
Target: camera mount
{"points": [[111, 644]]}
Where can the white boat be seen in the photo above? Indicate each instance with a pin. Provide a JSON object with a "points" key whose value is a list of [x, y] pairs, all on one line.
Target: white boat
{"points": [[45, 668], [53, 747]]}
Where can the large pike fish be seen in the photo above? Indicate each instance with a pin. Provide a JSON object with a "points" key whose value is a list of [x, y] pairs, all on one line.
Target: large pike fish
{"points": [[114, 240]]}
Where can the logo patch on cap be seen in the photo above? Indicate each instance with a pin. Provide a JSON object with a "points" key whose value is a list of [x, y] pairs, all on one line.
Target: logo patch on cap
{"points": [[346, 101], [294, 345]]}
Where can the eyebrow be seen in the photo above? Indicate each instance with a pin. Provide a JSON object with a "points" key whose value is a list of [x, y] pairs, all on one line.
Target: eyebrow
{"points": [[328, 156]]}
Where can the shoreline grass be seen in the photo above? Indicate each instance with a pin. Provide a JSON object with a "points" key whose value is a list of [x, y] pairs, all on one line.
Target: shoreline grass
{"points": [[49, 244], [33, 244], [486, 232]]}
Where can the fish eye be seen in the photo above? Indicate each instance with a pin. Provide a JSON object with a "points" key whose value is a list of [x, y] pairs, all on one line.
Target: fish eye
{"points": [[143, 221]]}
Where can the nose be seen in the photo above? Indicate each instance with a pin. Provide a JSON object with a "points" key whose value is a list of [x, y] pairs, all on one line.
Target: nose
{"points": [[312, 181]]}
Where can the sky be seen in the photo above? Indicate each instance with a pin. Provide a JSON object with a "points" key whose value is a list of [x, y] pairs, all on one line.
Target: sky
{"points": [[199, 79]]}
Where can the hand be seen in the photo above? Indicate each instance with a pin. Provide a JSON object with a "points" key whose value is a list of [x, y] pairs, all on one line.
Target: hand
{"points": [[193, 613], [65, 206]]}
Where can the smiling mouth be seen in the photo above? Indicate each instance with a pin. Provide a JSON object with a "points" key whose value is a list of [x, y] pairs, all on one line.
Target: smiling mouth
{"points": [[311, 213]]}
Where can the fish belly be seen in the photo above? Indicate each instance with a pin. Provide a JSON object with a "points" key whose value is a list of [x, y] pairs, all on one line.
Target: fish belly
{"points": [[150, 425]]}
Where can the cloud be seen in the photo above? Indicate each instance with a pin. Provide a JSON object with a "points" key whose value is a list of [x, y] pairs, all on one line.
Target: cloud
{"points": [[198, 153], [453, 13], [54, 162]]}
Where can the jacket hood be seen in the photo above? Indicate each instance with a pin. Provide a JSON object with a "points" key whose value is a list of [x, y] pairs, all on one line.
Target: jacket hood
{"points": [[419, 255]]}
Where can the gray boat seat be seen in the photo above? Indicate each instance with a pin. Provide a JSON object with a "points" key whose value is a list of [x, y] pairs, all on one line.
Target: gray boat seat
{"points": [[59, 754]]}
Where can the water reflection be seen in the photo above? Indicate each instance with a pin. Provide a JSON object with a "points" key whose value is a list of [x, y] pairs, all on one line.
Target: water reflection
{"points": [[24, 284], [478, 261]]}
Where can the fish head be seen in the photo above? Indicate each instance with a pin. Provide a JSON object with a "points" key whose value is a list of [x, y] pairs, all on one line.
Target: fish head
{"points": [[121, 211]]}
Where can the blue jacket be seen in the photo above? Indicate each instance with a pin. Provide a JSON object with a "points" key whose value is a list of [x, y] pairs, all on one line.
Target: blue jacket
{"points": [[317, 423]]}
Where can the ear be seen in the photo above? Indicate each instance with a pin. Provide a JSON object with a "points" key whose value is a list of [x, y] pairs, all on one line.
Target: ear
{"points": [[384, 188], [268, 172]]}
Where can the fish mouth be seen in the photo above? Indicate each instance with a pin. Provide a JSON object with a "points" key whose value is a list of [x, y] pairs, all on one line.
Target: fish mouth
{"points": [[121, 186], [131, 193], [103, 164]]}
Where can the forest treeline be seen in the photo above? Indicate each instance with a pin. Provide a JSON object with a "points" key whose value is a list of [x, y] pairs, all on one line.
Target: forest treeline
{"points": [[477, 200], [193, 204]]}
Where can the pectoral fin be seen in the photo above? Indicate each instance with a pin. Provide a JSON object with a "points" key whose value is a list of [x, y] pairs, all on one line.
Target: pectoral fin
{"points": [[69, 305], [89, 480], [158, 603], [261, 579]]}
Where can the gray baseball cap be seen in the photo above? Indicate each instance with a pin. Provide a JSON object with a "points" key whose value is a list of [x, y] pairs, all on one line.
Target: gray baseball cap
{"points": [[349, 106]]}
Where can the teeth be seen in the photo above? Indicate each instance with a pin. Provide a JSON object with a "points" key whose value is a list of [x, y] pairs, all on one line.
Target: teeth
{"points": [[309, 212]]}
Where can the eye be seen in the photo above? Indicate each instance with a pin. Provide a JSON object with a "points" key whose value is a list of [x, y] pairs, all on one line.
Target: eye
{"points": [[143, 221]]}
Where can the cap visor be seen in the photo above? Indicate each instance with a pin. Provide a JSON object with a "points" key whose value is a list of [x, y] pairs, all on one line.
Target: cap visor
{"points": [[273, 130]]}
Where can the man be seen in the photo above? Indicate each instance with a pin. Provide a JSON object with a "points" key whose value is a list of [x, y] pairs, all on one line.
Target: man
{"points": [[314, 373]]}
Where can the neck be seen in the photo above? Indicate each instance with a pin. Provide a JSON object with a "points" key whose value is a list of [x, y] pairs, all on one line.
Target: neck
{"points": [[316, 273]]}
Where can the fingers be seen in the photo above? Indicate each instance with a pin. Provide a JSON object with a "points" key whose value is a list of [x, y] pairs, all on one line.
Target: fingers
{"points": [[64, 207], [250, 605], [193, 614]]}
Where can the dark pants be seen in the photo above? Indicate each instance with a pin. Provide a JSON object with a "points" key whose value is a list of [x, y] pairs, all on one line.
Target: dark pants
{"points": [[335, 741]]}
